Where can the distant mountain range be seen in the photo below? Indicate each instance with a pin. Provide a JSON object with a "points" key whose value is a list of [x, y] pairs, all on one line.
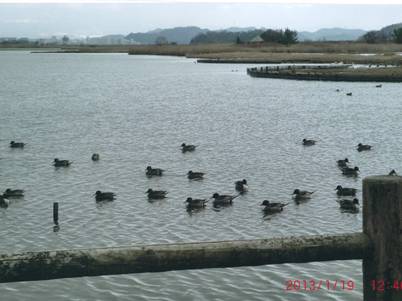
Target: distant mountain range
{"points": [[388, 31], [179, 35], [194, 34], [184, 35], [331, 34]]}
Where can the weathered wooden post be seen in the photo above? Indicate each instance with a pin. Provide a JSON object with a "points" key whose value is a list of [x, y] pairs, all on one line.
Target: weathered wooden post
{"points": [[382, 222], [56, 213]]}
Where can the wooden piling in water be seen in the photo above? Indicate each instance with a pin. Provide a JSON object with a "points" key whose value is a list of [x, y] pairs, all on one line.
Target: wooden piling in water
{"points": [[382, 222], [56, 213]]}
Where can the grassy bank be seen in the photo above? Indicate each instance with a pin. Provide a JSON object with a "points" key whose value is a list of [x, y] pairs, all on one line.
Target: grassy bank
{"points": [[307, 52], [307, 47], [301, 52]]}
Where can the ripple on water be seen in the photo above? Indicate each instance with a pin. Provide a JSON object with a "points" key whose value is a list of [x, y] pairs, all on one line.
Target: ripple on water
{"points": [[137, 114]]}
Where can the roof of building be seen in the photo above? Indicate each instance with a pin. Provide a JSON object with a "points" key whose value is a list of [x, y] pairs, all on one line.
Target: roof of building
{"points": [[256, 39]]}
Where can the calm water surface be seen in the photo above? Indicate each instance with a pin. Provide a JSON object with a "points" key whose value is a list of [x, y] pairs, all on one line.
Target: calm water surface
{"points": [[136, 111]]}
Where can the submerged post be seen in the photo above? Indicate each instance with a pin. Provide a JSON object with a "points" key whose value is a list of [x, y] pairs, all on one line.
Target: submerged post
{"points": [[56, 213], [382, 223]]}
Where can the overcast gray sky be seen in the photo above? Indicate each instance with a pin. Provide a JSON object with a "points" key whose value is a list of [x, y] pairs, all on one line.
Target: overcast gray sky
{"points": [[40, 20]]}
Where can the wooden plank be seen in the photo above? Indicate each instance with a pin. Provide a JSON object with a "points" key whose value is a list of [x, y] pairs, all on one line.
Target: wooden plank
{"points": [[32, 266]]}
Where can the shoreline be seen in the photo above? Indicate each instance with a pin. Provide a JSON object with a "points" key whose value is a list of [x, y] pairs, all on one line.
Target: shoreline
{"points": [[305, 52]]}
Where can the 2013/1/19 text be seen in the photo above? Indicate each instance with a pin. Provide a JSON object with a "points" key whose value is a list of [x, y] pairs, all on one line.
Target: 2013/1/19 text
{"points": [[312, 285]]}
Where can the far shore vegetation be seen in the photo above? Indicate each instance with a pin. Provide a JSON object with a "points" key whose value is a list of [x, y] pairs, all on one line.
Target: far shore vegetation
{"points": [[303, 52], [313, 52]]}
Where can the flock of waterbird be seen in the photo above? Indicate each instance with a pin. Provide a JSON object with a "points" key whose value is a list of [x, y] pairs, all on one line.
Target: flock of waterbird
{"points": [[347, 204], [347, 200]]}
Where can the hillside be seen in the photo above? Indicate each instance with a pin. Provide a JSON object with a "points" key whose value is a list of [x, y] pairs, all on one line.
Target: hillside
{"points": [[197, 35], [331, 34], [179, 35], [388, 31]]}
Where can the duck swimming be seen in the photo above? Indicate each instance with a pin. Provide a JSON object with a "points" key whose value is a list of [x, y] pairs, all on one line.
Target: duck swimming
{"points": [[363, 147], [104, 196], [153, 171], [156, 194], [272, 207], [14, 144], [349, 94], [187, 148], [344, 191], [343, 163], [302, 194], [350, 205], [196, 203], [308, 142], [349, 171], [223, 199], [16, 193], [95, 157], [4, 202], [241, 186], [61, 163], [195, 175]]}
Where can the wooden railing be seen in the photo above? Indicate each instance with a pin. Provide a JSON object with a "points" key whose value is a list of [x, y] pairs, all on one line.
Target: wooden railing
{"points": [[380, 247]]}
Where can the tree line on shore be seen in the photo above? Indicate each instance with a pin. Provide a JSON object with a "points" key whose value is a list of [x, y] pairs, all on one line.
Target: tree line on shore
{"points": [[378, 36], [280, 36], [390, 33]]}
